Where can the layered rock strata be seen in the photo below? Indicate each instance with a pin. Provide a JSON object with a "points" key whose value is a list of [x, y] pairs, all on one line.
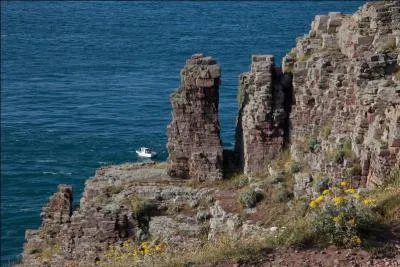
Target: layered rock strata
{"points": [[262, 120], [132, 202], [344, 124], [346, 117], [194, 144]]}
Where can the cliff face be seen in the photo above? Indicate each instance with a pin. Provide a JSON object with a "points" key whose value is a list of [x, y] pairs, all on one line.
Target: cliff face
{"points": [[194, 144], [335, 107], [262, 119], [346, 116]]}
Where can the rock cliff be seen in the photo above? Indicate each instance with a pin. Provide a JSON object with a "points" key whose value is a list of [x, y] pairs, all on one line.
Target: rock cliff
{"points": [[262, 127], [334, 106], [346, 115], [194, 144]]}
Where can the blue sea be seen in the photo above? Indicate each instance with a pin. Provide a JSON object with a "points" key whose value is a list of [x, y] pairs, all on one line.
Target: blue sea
{"points": [[85, 83]]}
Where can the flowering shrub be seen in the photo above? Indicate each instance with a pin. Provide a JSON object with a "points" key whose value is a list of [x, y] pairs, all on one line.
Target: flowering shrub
{"points": [[131, 252], [339, 213]]}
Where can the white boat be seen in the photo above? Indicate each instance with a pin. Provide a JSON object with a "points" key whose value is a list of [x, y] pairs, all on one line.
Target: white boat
{"points": [[146, 152]]}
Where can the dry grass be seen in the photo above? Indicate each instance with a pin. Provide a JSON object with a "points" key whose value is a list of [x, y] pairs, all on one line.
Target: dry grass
{"points": [[396, 74], [304, 57], [326, 129], [388, 196]]}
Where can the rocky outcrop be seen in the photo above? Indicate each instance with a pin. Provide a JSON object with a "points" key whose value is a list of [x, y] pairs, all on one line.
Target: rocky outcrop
{"points": [[132, 202], [55, 215], [336, 104], [194, 144], [262, 124], [346, 117]]}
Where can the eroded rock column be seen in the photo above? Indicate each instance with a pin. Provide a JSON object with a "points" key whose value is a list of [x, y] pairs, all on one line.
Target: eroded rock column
{"points": [[260, 132], [194, 144]]}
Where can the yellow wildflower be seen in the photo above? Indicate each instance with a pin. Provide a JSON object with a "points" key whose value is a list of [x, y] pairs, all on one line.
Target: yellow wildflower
{"points": [[357, 196], [338, 201], [313, 204], [145, 245], [351, 191], [337, 219], [344, 184], [355, 240], [351, 222], [326, 192], [319, 199], [159, 247], [369, 202], [126, 243]]}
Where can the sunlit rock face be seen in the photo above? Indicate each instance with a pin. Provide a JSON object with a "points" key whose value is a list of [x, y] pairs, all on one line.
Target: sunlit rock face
{"points": [[262, 118], [194, 143], [346, 116]]}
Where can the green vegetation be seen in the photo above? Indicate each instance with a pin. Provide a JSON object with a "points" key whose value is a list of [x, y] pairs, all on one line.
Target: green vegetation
{"points": [[45, 252], [304, 57], [313, 144], [292, 53], [141, 207], [344, 151], [283, 194], [249, 198], [396, 74], [389, 45], [295, 167], [321, 184], [113, 190], [326, 129], [339, 215], [289, 69]]}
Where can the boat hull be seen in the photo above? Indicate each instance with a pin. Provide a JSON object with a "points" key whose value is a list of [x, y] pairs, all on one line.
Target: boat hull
{"points": [[146, 155]]}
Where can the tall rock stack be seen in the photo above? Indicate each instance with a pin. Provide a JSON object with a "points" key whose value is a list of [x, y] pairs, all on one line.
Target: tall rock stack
{"points": [[260, 132], [194, 144]]}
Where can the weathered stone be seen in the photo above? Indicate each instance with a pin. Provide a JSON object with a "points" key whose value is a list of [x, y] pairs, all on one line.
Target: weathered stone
{"points": [[347, 95], [194, 144], [260, 132]]}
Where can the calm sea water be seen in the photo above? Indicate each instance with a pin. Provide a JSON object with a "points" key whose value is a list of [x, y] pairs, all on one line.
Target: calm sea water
{"points": [[85, 83]]}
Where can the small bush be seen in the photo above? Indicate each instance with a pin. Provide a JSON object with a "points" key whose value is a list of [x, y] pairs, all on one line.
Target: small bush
{"points": [[347, 149], [250, 198], [340, 215], [344, 152], [283, 195], [113, 190], [389, 45], [326, 129], [322, 184], [397, 74], [313, 144], [393, 179], [240, 181], [141, 207], [304, 57], [355, 170], [339, 157], [295, 167], [277, 178], [203, 215], [282, 160]]}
